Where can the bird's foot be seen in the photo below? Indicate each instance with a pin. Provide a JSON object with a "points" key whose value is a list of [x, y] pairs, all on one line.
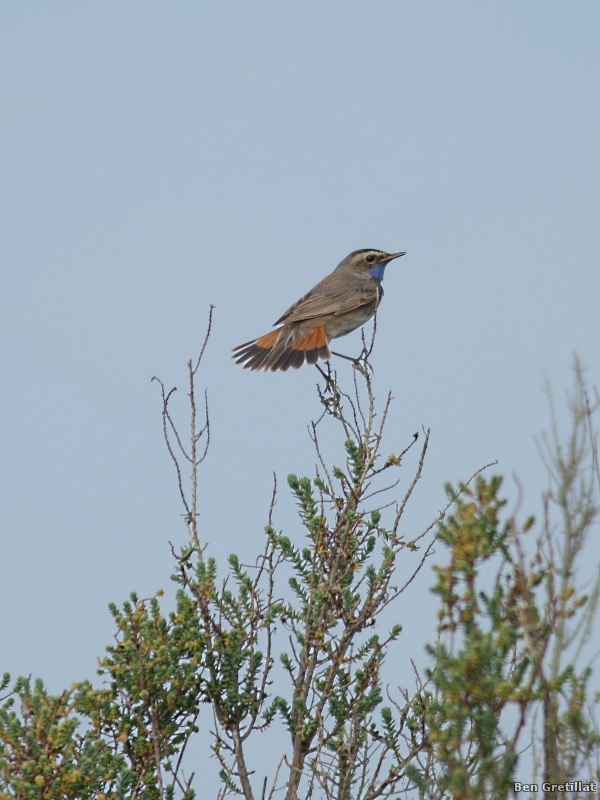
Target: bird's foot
{"points": [[330, 396]]}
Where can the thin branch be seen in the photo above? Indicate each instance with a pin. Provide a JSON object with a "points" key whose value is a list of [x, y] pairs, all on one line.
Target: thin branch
{"points": [[166, 419]]}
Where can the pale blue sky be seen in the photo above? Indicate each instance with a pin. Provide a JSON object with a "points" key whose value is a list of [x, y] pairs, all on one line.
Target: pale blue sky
{"points": [[159, 157]]}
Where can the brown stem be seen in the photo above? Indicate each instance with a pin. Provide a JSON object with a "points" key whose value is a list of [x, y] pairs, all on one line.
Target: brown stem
{"points": [[240, 762]]}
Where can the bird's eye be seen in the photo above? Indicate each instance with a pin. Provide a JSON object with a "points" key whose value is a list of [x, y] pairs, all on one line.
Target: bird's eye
{"points": [[370, 259]]}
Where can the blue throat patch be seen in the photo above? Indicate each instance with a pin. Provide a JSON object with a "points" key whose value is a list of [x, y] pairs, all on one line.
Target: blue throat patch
{"points": [[377, 272]]}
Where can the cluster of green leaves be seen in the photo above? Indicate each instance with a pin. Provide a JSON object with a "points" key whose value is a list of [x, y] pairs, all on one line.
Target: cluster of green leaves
{"points": [[149, 710], [497, 619], [341, 583], [476, 670], [237, 629], [43, 756], [578, 739], [134, 731]]}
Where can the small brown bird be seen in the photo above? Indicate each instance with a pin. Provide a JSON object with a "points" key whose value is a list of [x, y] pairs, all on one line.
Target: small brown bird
{"points": [[340, 303]]}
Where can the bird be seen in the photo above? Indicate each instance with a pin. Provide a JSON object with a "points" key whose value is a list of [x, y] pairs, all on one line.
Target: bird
{"points": [[340, 303]]}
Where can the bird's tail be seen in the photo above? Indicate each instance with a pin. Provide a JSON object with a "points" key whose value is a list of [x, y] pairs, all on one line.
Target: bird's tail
{"points": [[283, 348]]}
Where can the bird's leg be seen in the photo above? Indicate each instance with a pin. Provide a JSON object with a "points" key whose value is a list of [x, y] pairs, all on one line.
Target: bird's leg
{"points": [[361, 363], [326, 376], [329, 377], [341, 355]]}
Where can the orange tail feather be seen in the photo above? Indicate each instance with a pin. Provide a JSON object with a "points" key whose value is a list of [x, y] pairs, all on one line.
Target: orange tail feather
{"points": [[280, 350]]}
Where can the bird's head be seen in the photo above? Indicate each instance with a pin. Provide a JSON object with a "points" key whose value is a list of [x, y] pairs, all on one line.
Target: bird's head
{"points": [[371, 262]]}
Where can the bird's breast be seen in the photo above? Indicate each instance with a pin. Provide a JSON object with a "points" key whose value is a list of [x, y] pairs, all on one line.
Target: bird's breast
{"points": [[341, 324]]}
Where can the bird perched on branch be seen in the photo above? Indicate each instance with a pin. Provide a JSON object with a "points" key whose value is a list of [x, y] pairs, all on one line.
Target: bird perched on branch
{"points": [[340, 303]]}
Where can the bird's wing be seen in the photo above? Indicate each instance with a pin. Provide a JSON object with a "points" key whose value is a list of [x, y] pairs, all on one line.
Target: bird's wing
{"points": [[331, 296]]}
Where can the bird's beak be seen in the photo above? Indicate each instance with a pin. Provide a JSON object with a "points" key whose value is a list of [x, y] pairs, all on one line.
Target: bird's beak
{"points": [[391, 256]]}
